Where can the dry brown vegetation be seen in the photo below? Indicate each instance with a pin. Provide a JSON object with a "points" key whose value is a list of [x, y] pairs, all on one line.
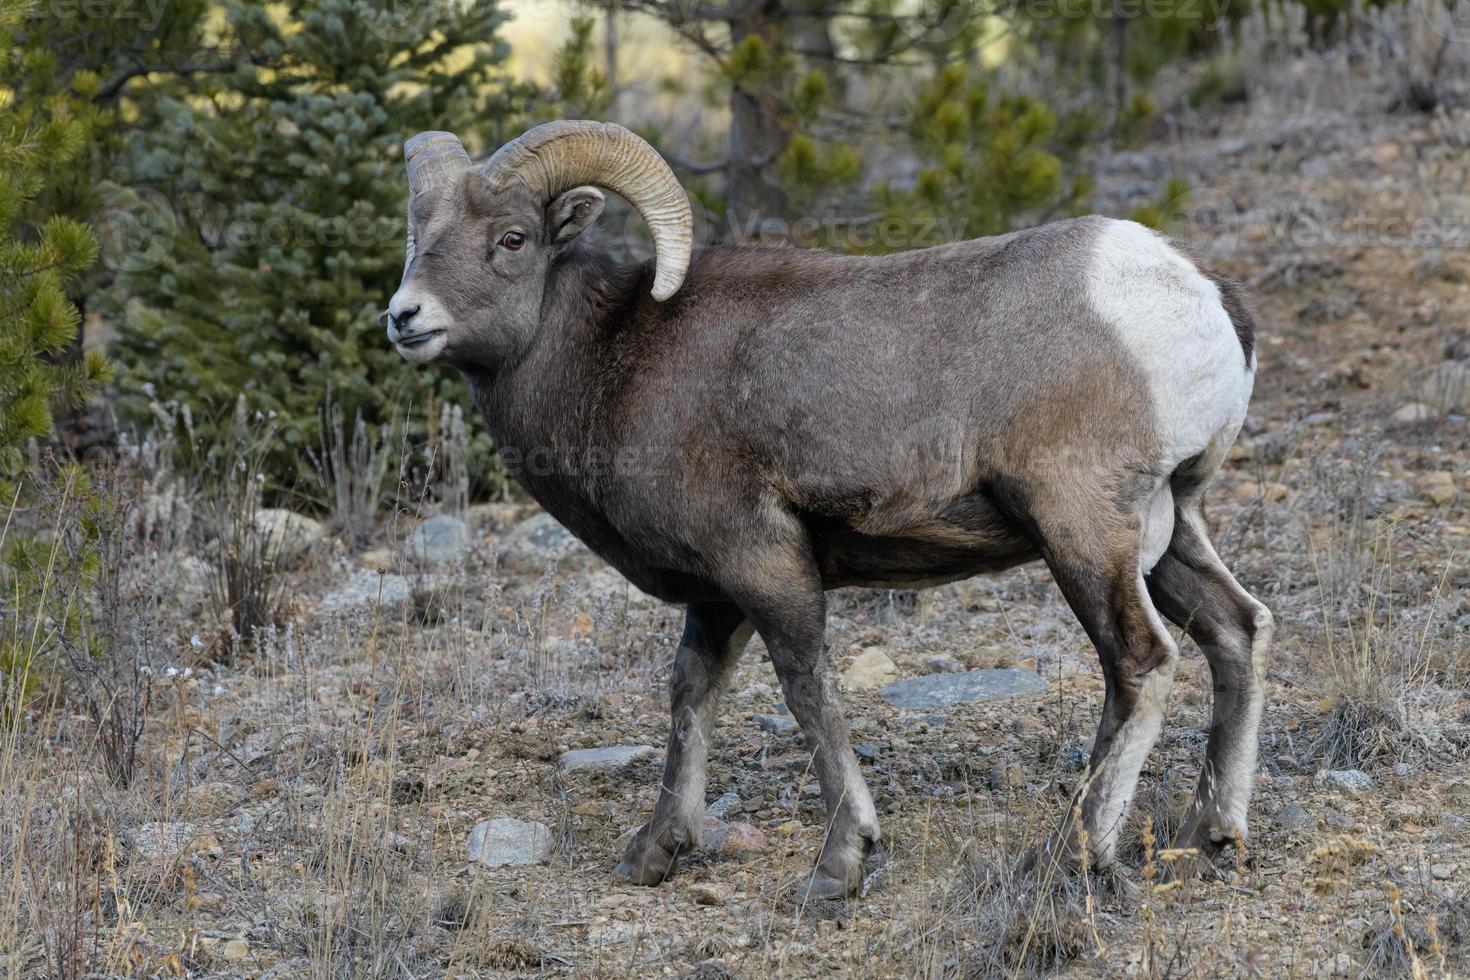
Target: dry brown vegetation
{"points": [[301, 808]]}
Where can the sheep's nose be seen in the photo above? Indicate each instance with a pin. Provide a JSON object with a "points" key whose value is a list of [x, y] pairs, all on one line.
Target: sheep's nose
{"points": [[398, 320]]}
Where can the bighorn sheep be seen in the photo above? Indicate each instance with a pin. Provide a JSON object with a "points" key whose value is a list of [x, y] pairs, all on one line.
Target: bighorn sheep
{"points": [[742, 430]]}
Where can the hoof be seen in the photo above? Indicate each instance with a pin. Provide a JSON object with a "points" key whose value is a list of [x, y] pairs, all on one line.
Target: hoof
{"points": [[650, 859], [835, 879], [1055, 856], [819, 886]]}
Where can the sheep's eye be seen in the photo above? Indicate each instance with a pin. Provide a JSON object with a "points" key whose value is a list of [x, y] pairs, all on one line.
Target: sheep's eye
{"points": [[512, 240]]}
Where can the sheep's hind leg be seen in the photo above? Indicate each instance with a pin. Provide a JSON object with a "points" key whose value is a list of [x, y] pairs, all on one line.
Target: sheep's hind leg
{"points": [[1192, 586], [1096, 564], [715, 634]]}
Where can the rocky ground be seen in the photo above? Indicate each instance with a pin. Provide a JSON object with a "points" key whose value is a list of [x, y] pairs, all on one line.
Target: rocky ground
{"points": [[434, 768]]}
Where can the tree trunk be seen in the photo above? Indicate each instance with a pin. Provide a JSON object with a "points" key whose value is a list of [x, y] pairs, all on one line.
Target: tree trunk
{"points": [[758, 135], [610, 57]]}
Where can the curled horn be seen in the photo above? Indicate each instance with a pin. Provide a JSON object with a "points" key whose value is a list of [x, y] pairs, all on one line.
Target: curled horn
{"points": [[558, 156], [430, 158]]}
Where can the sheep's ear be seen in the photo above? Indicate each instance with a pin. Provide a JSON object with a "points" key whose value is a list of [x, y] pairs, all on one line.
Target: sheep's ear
{"points": [[570, 214]]}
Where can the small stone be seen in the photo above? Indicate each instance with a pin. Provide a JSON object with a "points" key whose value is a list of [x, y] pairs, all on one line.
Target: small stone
{"points": [[1294, 817], [1443, 872], [943, 663], [710, 893], [367, 589], [538, 541], [1384, 155], [1007, 775], [1446, 386], [605, 757], [1250, 492], [1343, 965], [504, 840], [777, 724], [170, 841], [438, 540], [1350, 781], [727, 804], [942, 690], [1414, 413], [868, 671], [1339, 821], [235, 949], [733, 839], [1437, 488], [212, 798], [286, 535]]}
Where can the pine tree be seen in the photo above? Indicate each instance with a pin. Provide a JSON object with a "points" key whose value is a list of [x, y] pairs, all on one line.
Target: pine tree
{"points": [[269, 211], [39, 256], [815, 89]]}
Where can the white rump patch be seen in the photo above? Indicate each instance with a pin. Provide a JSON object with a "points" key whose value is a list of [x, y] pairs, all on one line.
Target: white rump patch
{"points": [[1157, 517], [1173, 324]]}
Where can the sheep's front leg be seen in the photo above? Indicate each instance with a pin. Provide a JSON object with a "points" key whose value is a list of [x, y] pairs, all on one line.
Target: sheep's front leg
{"points": [[715, 634], [791, 619]]}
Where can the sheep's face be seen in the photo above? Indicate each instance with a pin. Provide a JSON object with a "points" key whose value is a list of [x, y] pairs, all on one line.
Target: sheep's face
{"points": [[472, 287]]}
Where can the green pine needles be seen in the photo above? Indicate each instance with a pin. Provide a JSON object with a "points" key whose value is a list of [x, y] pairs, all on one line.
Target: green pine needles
{"points": [[38, 261]]}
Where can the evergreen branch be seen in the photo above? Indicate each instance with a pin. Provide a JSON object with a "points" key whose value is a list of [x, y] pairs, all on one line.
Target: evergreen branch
{"points": [[695, 167], [116, 83]]}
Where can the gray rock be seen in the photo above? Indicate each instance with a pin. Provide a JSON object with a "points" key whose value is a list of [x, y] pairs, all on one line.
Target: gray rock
{"points": [[942, 690], [1007, 775], [1445, 387], [1293, 817], [165, 840], [727, 804], [777, 724], [287, 536], [364, 590], [538, 541], [438, 540], [1350, 781], [1414, 413], [604, 757], [504, 840], [943, 663]]}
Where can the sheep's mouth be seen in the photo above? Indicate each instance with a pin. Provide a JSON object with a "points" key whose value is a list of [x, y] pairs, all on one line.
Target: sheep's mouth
{"points": [[419, 339]]}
